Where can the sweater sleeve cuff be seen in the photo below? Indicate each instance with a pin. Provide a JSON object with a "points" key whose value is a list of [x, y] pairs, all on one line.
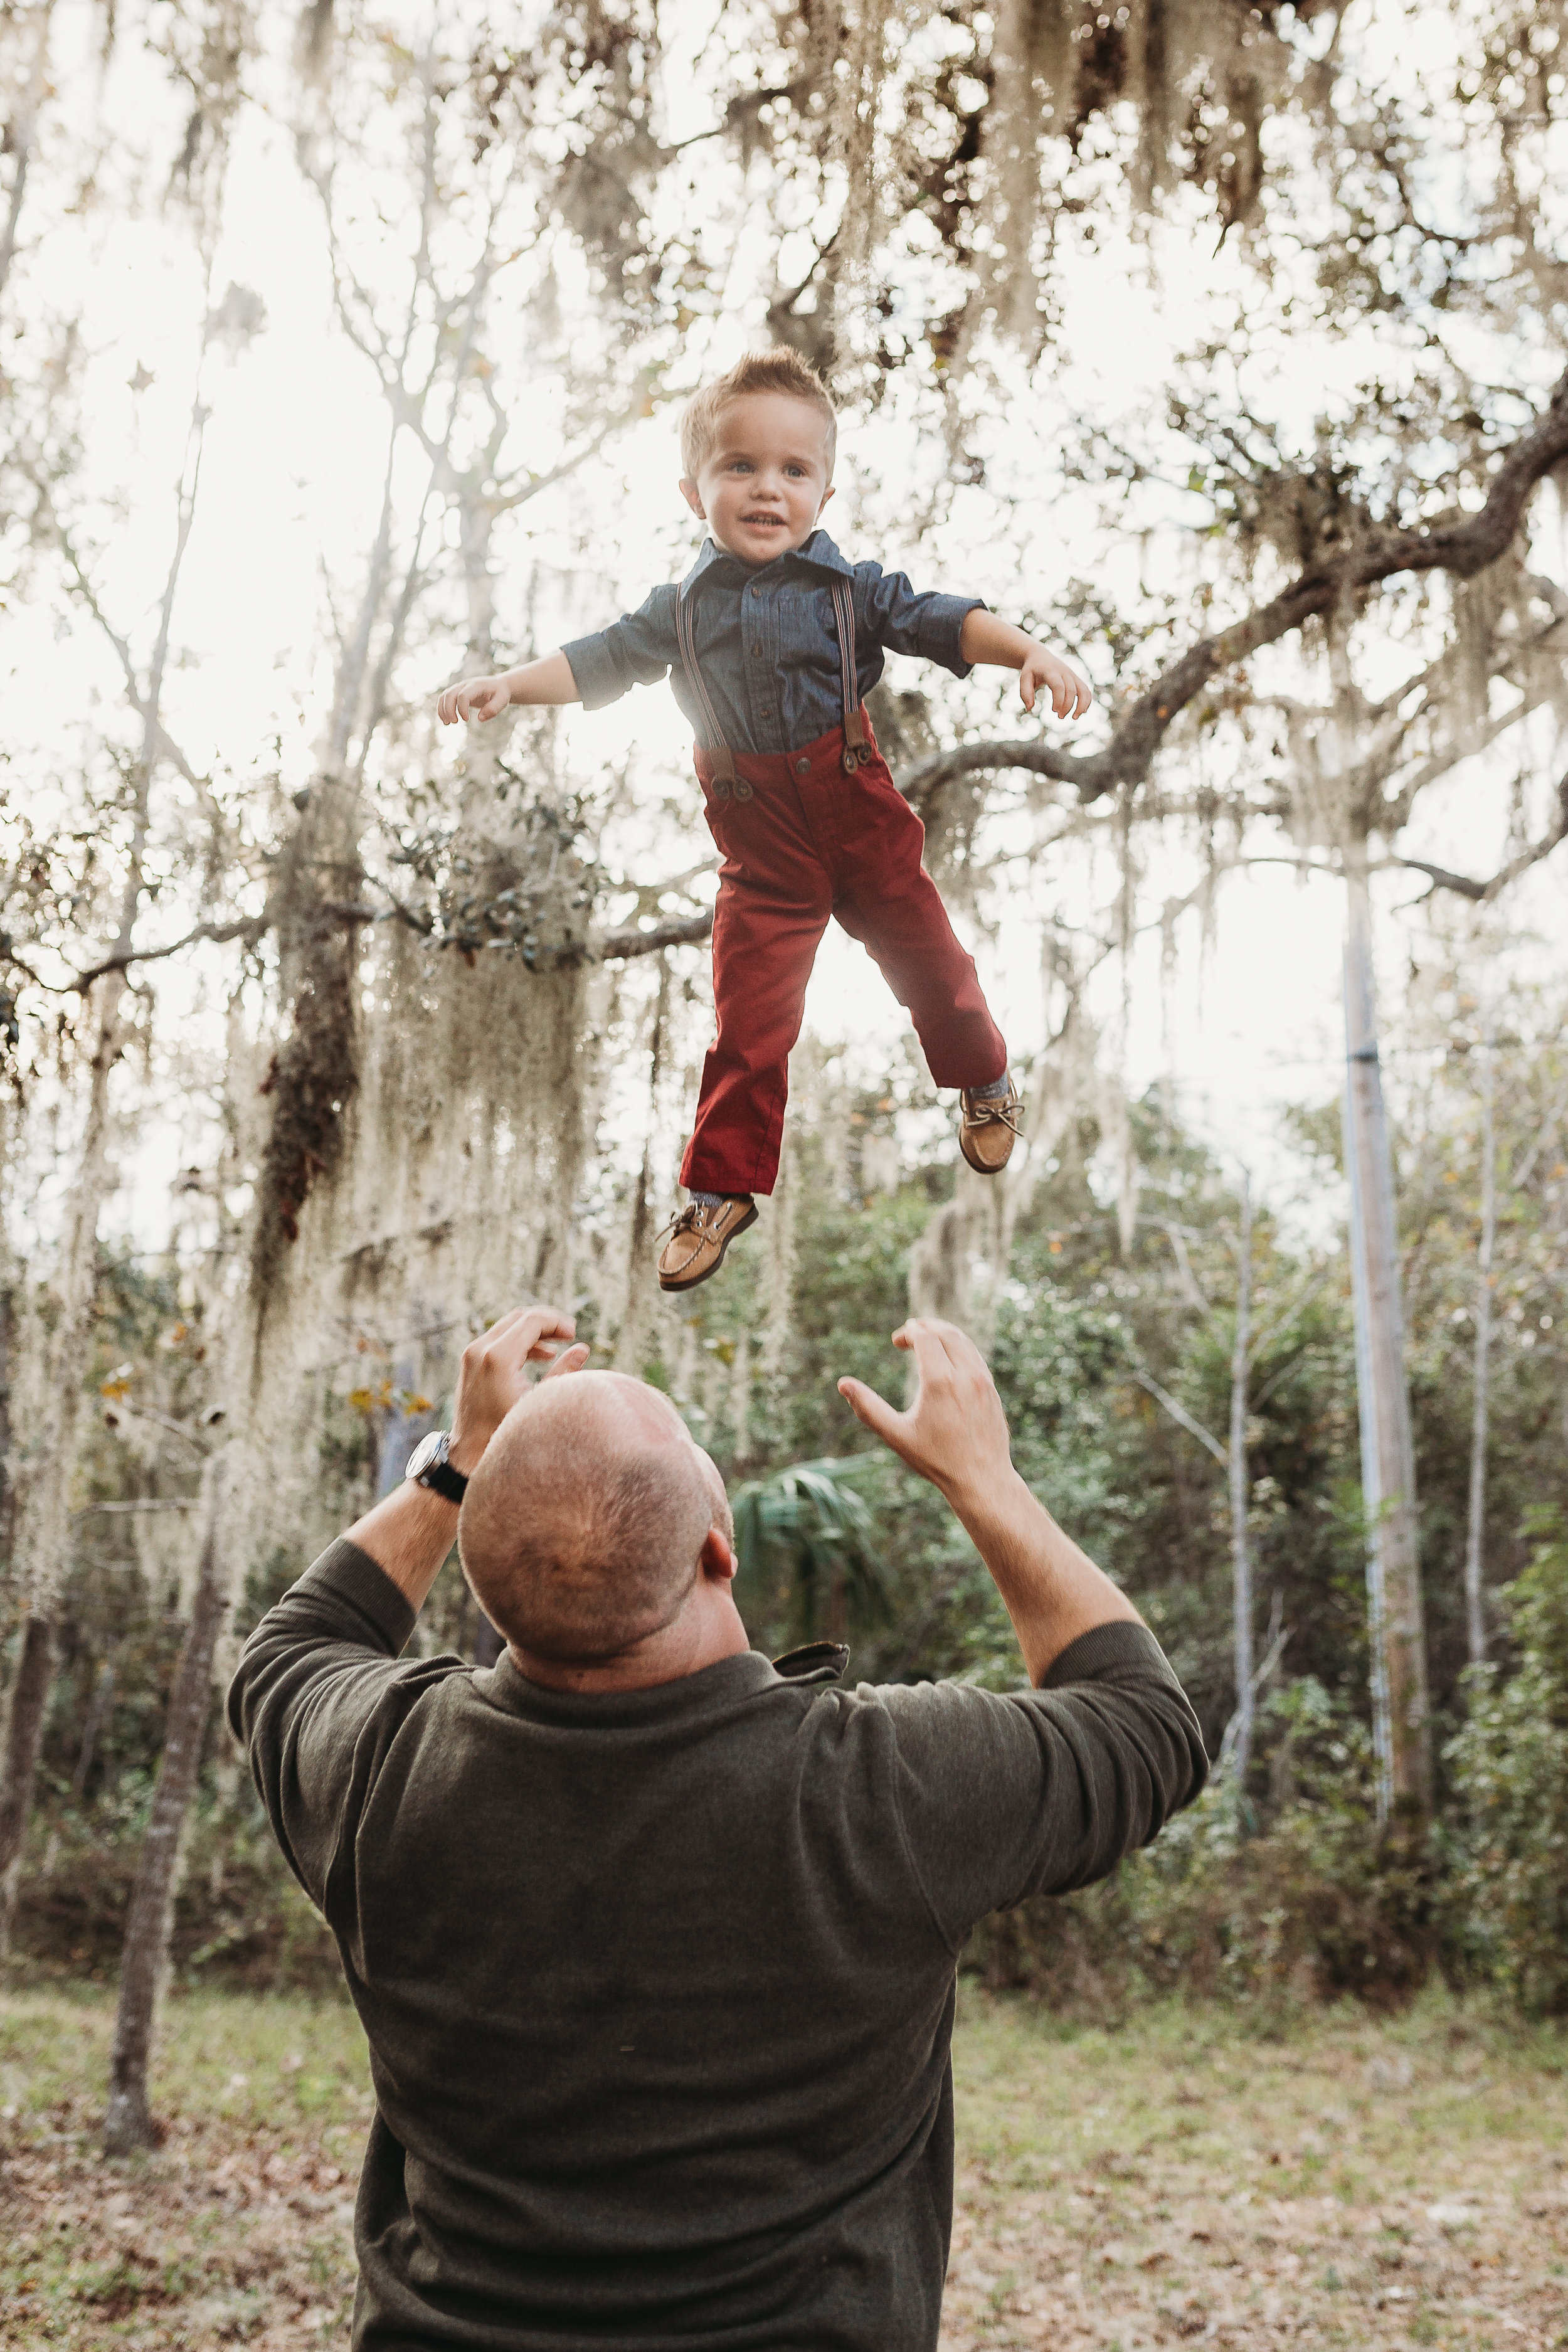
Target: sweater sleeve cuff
{"points": [[1106, 1652], [942, 630], [593, 670], [372, 1608]]}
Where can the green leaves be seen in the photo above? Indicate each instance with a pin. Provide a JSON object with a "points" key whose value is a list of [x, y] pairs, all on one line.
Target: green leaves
{"points": [[1510, 1772], [809, 1528]]}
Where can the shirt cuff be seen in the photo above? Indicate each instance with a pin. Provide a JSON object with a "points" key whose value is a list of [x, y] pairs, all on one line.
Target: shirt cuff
{"points": [[1106, 1651], [941, 627], [371, 1608], [594, 671]]}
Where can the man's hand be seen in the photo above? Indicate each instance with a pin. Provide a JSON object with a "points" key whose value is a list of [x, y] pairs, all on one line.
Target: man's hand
{"points": [[477, 697], [492, 1375], [410, 1531], [955, 1432], [955, 1435], [1069, 694]]}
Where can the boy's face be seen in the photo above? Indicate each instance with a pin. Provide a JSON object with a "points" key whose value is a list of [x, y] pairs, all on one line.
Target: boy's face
{"points": [[764, 480]]}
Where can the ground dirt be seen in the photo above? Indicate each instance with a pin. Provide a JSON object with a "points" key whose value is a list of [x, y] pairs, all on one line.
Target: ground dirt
{"points": [[1335, 2179]]}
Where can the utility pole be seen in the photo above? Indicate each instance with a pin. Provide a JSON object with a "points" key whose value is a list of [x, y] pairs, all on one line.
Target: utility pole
{"points": [[1401, 1722], [1240, 1483], [1475, 1614]]}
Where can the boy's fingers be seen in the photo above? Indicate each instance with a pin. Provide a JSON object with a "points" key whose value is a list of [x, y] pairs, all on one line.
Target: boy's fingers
{"points": [[570, 1360]]}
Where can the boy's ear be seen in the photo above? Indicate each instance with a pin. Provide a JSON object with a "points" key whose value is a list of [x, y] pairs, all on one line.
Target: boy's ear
{"points": [[693, 496], [826, 494]]}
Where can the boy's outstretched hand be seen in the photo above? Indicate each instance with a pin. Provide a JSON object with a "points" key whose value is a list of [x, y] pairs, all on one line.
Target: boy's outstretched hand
{"points": [[477, 697], [1069, 694]]}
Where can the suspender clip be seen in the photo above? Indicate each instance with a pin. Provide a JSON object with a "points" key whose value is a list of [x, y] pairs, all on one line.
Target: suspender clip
{"points": [[857, 750]]}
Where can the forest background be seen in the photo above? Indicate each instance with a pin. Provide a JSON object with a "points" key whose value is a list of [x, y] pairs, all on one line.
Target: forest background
{"points": [[341, 353]]}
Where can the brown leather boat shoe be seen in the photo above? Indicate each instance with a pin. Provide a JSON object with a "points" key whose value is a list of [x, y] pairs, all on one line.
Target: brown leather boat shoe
{"points": [[988, 1129], [699, 1239]]}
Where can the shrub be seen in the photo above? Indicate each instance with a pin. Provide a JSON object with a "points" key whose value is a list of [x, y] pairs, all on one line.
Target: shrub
{"points": [[1510, 1772]]}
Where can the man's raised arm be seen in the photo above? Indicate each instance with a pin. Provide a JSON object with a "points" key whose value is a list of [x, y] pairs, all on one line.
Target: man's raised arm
{"points": [[322, 1669], [955, 1435], [1026, 1792]]}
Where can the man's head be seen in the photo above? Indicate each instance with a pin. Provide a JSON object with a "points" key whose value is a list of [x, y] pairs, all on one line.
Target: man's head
{"points": [[758, 447], [587, 1521]]}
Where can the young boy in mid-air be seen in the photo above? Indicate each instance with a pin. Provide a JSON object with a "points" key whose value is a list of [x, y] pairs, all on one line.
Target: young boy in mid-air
{"points": [[772, 642]]}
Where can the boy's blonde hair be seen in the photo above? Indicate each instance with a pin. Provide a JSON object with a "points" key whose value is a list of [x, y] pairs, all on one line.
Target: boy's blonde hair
{"points": [[779, 370]]}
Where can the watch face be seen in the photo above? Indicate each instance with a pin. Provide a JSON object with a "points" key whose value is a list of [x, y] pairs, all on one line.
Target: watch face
{"points": [[429, 1449]]}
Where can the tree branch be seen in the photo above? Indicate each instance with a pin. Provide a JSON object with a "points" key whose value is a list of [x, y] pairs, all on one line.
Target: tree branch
{"points": [[616, 947], [250, 929], [1179, 1414], [1467, 886], [1463, 544]]}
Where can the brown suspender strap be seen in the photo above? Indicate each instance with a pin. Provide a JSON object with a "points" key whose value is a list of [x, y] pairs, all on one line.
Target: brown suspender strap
{"points": [[725, 780], [857, 750]]}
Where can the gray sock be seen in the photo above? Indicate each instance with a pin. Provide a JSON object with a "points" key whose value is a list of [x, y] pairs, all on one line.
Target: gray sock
{"points": [[707, 1199], [998, 1087]]}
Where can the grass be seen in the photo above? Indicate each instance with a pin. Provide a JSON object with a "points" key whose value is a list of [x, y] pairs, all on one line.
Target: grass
{"points": [[1353, 2181]]}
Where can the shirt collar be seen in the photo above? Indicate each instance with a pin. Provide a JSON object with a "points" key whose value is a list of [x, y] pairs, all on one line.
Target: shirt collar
{"points": [[818, 552]]}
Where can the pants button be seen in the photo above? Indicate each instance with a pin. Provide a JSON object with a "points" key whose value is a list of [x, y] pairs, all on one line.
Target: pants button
{"points": [[801, 766]]}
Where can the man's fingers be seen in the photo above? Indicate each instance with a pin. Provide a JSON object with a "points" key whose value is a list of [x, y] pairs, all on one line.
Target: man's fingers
{"points": [[549, 1323], [958, 1349], [524, 1328], [929, 1339], [875, 1411]]}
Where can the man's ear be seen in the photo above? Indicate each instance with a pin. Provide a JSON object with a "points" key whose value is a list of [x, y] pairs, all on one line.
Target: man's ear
{"points": [[717, 1557], [693, 496]]}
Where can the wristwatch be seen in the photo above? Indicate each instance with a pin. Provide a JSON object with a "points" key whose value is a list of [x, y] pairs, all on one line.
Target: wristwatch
{"points": [[428, 1467]]}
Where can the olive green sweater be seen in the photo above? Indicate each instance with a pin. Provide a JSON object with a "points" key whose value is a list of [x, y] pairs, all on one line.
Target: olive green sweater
{"points": [[658, 1988]]}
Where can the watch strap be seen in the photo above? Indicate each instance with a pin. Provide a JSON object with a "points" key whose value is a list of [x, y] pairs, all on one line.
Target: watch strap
{"points": [[442, 1479]]}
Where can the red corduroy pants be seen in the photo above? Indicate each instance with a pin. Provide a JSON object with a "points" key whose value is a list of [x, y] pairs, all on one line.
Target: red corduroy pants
{"points": [[811, 843]]}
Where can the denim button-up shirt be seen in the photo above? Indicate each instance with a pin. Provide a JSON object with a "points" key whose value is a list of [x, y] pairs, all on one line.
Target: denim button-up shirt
{"points": [[766, 645]]}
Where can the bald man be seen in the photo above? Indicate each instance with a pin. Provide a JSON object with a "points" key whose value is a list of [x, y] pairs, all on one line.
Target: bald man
{"points": [[654, 1942]]}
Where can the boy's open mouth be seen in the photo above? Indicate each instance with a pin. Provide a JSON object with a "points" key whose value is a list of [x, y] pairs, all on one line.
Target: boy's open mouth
{"points": [[763, 521]]}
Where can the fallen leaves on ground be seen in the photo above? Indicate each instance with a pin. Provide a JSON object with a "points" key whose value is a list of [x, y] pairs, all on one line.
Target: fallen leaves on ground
{"points": [[1180, 2180], [1186, 2181]]}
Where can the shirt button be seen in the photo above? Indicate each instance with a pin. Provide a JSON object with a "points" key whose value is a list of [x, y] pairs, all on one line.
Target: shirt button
{"points": [[801, 766], [756, 649]]}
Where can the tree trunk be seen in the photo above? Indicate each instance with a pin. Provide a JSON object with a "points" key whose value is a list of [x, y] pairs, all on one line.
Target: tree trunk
{"points": [[1402, 1728], [128, 2125], [42, 1464], [1475, 1615], [24, 1739], [1241, 1496], [47, 1457], [22, 136]]}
